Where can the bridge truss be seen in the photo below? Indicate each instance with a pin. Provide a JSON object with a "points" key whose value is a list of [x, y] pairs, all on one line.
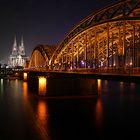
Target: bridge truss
{"points": [[107, 39]]}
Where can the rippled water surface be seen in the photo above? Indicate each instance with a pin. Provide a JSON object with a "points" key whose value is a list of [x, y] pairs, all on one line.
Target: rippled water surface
{"points": [[97, 109]]}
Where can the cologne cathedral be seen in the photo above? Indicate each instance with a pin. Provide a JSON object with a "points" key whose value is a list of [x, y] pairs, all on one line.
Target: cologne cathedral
{"points": [[18, 56]]}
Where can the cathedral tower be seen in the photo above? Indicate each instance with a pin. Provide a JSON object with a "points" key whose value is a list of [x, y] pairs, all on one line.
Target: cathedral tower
{"points": [[14, 50], [21, 50], [18, 56]]}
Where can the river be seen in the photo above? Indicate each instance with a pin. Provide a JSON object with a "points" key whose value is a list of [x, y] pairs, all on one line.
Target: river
{"points": [[101, 109]]}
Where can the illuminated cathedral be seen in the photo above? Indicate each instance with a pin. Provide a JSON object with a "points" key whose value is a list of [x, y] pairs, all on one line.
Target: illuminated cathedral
{"points": [[18, 56]]}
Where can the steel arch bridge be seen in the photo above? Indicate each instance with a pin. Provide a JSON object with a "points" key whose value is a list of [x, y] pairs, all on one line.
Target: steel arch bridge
{"points": [[109, 38]]}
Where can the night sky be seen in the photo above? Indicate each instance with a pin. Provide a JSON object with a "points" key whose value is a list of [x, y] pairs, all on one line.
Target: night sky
{"points": [[40, 21]]}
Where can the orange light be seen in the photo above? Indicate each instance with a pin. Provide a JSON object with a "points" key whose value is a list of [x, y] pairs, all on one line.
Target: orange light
{"points": [[24, 76], [99, 85], [25, 89], [42, 110], [99, 114], [42, 85], [42, 120]]}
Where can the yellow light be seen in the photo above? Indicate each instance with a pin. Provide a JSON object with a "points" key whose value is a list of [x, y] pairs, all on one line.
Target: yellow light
{"points": [[99, 85], [42, 85], [24, 76]]}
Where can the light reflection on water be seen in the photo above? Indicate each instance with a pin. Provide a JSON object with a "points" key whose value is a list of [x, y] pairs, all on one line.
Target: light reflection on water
{"points": [[53, 119], [25, 89], [1, 88], [42, 111], [121, 87], [42, 119], [39, 114], [99, 112]]}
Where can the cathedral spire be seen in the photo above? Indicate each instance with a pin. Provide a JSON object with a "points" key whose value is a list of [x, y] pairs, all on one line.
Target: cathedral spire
{"points": [[21, 47], [18, 57], [14, 50], [22, 42]]}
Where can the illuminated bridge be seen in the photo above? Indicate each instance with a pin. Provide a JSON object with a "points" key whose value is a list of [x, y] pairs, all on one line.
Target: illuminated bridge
{"points": [[106, 40]]}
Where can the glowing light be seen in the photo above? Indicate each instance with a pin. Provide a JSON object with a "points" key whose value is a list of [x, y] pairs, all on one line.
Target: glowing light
{"points": [[42, 119], [42, 85], [25, 89], [101, 64], [24, 76], [130, 63], [1, 88], [42, 111], [114, 64], [82, 62], [16, 74], [99, 85]]}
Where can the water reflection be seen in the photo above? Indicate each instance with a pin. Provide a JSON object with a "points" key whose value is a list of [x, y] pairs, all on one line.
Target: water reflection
{"points": [[42, 119], [121, 87], [99, 112], [25, 89], [38, 114], [42, 86], [42, 111], [63, 119], [132, 86], [1, 88]]}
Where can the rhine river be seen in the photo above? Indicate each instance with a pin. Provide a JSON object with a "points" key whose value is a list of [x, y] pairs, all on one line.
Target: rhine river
{"points": [[97, 109]]}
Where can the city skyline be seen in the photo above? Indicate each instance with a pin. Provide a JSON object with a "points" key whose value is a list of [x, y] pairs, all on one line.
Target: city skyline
{"points": [[41, 22]]}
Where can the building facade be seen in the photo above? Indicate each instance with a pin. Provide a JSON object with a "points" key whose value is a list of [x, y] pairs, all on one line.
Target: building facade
{"points": [[18, 56]]}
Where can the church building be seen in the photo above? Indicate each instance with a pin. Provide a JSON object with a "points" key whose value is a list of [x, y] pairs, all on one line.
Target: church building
{"points": [[18, 56]]}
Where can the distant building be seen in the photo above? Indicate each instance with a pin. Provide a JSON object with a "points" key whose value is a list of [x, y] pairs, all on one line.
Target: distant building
{"points": [[18, 56]]}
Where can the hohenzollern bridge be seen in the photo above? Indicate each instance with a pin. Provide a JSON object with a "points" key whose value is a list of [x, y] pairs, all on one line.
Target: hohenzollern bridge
{"points": [[108, 39]]}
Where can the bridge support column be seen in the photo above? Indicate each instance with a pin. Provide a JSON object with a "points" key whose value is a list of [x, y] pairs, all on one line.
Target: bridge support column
{"points": [[85, 52], [108, 38], [66, 64], [124, 38], [77, 56], [72, 57], [91, 56], [133, 46], [119, 49], [138, 61], [96, 51], [112, 53], [62, 62]]}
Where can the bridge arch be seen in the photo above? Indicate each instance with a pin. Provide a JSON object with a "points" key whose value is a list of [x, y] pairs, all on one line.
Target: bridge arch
{"points": [[109, 37], [40, 57]]}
